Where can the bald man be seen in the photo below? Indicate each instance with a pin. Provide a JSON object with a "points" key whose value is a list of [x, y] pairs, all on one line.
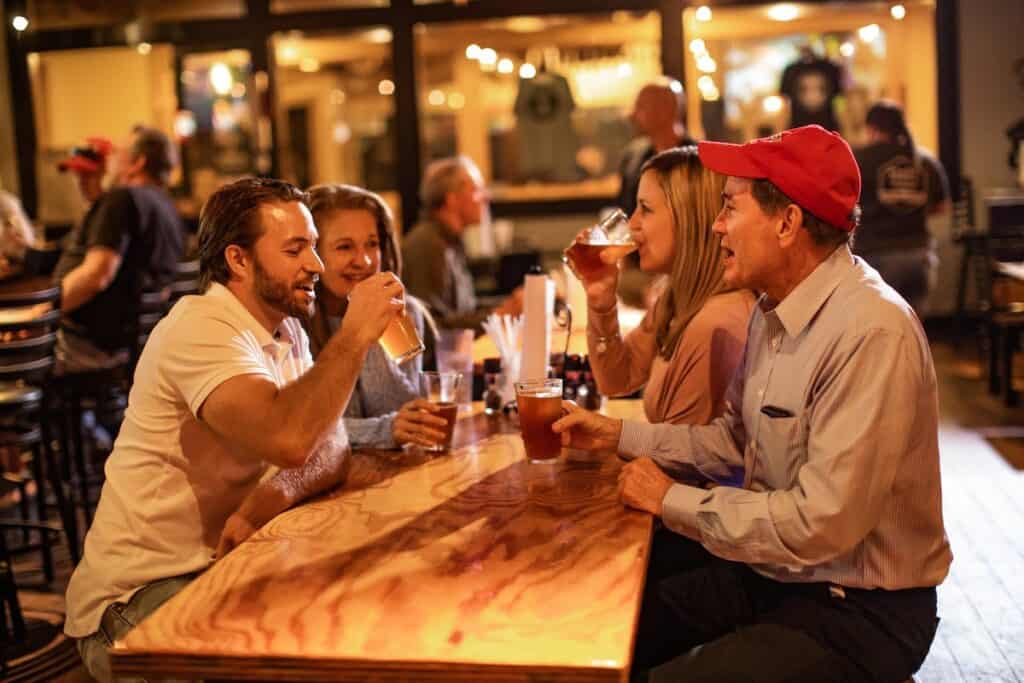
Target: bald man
{"points": [[658, 117]]}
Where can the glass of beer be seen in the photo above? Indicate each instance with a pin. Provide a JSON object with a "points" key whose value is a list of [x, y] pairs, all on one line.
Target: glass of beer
{"points": [[583, 256], [400, 340], [440, 388], [540, 405]]}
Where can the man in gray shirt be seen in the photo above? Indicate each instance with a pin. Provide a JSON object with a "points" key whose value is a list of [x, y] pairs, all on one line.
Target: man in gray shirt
{"points": [[822, 565], [435, 269]]}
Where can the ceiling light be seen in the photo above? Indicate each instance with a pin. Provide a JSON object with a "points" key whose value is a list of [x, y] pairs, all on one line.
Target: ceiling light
{"points": [[473, 51], [847, 49], [436, 98], [19, 23], [697, 46], [386, 87], [772, 104], [221, 79], [706, 64], [703, 13], [144, 48], [527, 71], [488, 56], [868, 33], [784, 11], [898, 12], [505, 66]]}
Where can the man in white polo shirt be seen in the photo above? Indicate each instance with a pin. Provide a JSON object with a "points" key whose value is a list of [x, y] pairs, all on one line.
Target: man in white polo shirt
{"points": [[228, 422]]}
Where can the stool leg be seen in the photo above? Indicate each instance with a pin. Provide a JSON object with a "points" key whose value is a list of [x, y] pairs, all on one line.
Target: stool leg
{"points": [[44, 538], [994, 367], [1009, 348], [78, 457], [62, 496]]}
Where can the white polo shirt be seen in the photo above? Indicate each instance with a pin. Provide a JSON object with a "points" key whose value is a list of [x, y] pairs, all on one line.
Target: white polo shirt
{"points": [[171, 483]]}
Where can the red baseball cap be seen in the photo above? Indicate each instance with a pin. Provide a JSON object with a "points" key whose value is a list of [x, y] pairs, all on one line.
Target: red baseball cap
{"points": [[812, 166], [89, 158]]}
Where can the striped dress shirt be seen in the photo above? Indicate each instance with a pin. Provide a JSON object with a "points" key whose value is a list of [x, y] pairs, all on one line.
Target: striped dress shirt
{"points": [[832, 422]]}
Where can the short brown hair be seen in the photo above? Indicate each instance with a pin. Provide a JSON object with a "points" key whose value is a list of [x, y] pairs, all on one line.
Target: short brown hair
{"points": [[772, 200], [230, 217], [160, 153]]}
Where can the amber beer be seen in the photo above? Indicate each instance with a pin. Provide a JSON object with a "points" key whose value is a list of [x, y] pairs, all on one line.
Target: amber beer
{"points": [[540, 405], [584, 257], [448, 411], [400, 340], [440, 389], [612, 234]]}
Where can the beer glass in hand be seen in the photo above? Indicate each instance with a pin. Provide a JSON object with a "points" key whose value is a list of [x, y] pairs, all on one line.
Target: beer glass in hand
{"points": [[440, 389], [400, 340], [540, 405], [610, 236]]}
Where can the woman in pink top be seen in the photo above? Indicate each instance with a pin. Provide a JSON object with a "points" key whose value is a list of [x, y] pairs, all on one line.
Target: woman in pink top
{"points": [[690, 342]]}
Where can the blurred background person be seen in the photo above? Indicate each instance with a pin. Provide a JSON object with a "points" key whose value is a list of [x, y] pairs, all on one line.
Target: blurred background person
{"points": [[658, 117], [16, 234], [902, 186], [436, 271], [687, 347], [357, 240], [129, 241]]}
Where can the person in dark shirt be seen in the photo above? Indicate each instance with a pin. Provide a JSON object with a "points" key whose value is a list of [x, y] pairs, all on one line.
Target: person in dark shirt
{"points": [[812, 84], [658, 118], [902, 186], [129, 242]]}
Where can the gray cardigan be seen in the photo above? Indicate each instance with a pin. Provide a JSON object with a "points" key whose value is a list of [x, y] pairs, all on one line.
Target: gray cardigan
{"points": [[382, 388]]}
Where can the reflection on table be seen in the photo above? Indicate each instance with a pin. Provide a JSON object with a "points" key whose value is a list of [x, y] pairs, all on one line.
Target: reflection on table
{"points": [[473, 565]]}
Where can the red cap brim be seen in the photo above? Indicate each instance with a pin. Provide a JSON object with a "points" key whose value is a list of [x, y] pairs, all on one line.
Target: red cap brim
{"points": [[728, 159], [78, 164]]}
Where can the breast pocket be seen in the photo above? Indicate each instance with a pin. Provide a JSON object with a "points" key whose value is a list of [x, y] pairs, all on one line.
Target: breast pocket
{"points": [[782, 449]]}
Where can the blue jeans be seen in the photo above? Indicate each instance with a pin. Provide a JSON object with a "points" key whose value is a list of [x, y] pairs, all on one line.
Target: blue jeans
{"points": [[118, 619]]}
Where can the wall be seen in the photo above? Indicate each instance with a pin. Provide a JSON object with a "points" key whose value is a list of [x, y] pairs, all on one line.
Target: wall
{"points": [[990, 99], [8, 158]]}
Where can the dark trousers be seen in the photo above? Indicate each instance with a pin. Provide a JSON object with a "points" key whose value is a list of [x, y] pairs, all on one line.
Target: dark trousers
{"points": [[708, 619]]}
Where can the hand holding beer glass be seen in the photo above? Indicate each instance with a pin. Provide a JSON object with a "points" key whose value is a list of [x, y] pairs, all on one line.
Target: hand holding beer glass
{"points": [[540, 405], [594, 253], [439, 388]]}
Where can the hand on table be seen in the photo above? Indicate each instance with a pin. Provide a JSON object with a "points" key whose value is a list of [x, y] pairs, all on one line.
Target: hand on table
{"points": [[643, 485], [416, 423], [236, 530]]}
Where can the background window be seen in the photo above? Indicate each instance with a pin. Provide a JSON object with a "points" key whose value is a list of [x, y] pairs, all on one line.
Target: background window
{"points": [[72, 92], [335, 109], [737, 61], [58, 14], [540, 103]]}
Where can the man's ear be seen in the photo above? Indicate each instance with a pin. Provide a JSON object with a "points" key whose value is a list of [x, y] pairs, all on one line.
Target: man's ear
{"points": [[791, 220], [238, 260]]}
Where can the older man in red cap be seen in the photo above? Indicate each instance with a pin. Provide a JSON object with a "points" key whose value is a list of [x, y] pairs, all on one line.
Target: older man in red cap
{"points": [[822, 565]]}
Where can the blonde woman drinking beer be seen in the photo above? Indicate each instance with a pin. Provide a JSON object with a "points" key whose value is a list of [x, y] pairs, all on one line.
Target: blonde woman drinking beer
{"points": [[685, 351]]}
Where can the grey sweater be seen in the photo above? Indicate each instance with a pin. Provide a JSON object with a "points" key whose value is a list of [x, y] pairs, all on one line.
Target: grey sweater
{"points": [[382, 388]]}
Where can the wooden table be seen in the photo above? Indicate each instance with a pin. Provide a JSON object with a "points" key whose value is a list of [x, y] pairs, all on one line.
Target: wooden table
{"points": [[471, 566]]}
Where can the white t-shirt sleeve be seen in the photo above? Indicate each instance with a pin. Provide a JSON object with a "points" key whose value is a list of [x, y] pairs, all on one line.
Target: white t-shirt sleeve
{"points": [[198, 363]]}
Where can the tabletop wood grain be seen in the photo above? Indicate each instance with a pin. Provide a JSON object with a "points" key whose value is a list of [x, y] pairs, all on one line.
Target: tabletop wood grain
{"points": [[471, 566]]}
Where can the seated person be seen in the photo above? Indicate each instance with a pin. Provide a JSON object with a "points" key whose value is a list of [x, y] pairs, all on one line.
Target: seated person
{"points": [[129, 242], [689, 344], [16, 234], [823, 565], [225, 394], [357, 241], [436, 272]]}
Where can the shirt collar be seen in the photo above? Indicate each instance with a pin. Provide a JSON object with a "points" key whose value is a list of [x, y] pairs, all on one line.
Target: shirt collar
{"points": [[443, 230], [803, 303], [278, 344]]}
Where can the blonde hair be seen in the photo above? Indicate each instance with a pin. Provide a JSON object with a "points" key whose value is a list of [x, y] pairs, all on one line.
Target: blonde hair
{"points": [[693, 195]]}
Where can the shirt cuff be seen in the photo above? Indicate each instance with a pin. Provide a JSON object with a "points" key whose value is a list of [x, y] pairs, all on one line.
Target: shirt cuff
{"points": [[679, 509], [635, 440]]}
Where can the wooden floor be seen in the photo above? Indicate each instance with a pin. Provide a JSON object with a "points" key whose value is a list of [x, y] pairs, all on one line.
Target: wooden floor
{"points": [[981, 637]]}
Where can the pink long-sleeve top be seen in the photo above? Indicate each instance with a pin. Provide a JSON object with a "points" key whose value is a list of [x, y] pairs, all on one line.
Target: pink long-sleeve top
{"points": [[689, 388]]}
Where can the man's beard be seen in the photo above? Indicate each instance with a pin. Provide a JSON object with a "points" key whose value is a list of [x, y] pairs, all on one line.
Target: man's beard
{"points": [[280, 295]]}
